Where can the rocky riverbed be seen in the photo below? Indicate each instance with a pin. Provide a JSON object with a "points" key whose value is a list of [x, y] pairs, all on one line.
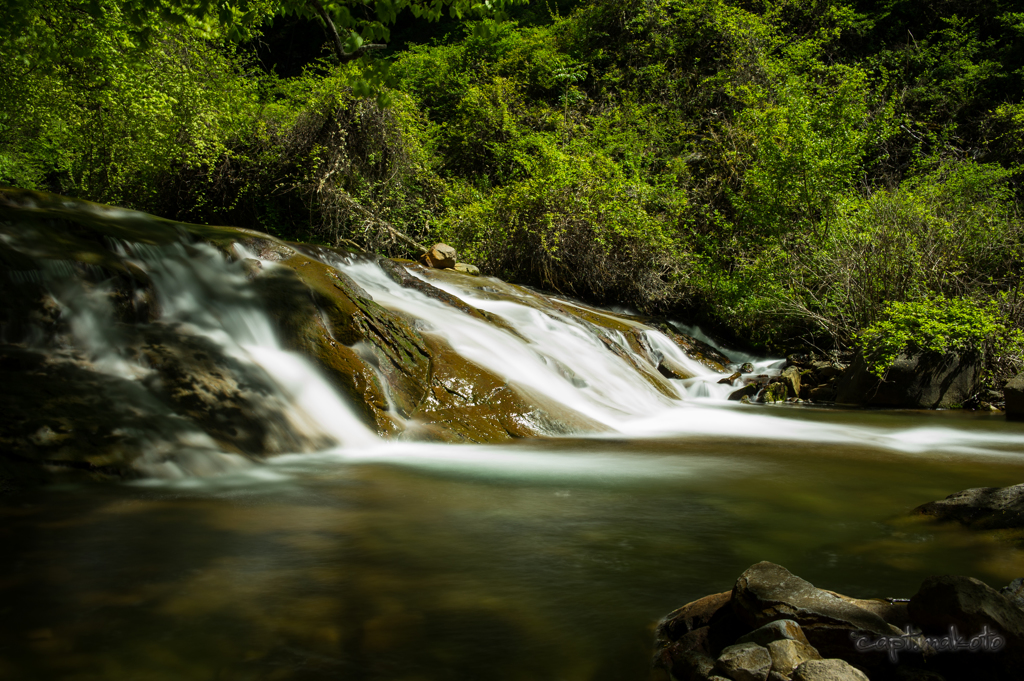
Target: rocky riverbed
{"points": [[775, 626]]}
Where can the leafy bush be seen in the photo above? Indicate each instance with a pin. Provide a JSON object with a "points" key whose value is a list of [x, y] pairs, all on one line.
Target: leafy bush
{"points": [[580, 228], [938, 325], [954, 231]]}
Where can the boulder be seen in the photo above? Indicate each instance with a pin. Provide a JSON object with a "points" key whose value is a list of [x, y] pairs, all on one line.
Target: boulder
{"points": [[828, 670], [787, 655], [778, 630], [729, 379], [775, 392], [692, 666], [1015, 592], [744, 662], [439, 256], [970, 605], [669, 368], [746, 368], [748, 391], [915, 381], [823, 393], [766, 592], [691, 616], [1013, 396], [984, 508], [791, 378], [825, 371], [466, 268]]}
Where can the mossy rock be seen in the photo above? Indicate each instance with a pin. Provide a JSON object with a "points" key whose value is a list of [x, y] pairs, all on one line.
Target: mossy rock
{"points": [[467, 403]]}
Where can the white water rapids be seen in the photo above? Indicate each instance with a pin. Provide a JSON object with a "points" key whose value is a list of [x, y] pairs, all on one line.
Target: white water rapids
{"points": [[555, 355]]}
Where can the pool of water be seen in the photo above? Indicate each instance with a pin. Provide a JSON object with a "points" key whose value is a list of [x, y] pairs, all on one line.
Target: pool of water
{"points": [[543, 560]]}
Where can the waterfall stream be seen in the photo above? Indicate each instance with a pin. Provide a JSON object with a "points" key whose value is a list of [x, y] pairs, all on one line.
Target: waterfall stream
{"points": [[589, 369], [271, 531]]}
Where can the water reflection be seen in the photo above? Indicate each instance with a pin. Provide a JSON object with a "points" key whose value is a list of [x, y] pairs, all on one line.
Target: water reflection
{"points": [[545, 560]]}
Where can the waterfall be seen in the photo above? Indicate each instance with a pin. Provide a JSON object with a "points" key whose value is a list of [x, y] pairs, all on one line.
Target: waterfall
{"points": [[185, 371]]}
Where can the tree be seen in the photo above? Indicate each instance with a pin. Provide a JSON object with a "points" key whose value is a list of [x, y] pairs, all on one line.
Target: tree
{"points": [[350, 24]]}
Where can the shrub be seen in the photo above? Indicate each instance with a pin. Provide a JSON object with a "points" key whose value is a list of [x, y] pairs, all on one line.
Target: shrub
{"points": [[580, 228], [938, 325]]}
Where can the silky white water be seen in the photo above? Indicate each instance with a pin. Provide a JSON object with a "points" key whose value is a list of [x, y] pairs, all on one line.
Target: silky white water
{"points": [[556, 355], [544, 559]]}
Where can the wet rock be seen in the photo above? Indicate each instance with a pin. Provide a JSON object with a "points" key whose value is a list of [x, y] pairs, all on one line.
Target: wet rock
{"points": [[791, 377], [235, 403], [252, 267], [64, 415], [828, 670], [729, 379], [669, 368], [1015, 592], [439, 256], [985, 508], [787, 655], [774, 393], [324, 315], [467, 403], [267, 249], [692, 666], [694, 348], [823, 393], [971, 606], [1013, 396], [691, 616], [915, 381], [400, 275], [746, 392], [766, 592], [466, 268], [777, 630], [746, 368], [744, 662]]}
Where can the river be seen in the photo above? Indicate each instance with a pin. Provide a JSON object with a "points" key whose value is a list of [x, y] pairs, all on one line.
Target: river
{"points": [[547, 559]]}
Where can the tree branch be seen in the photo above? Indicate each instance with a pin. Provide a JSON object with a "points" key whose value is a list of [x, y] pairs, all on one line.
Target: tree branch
{"points": [[332, 33]]}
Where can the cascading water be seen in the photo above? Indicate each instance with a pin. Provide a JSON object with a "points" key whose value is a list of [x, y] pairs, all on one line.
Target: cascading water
{"points": [[378, 558], [590, 369], [199, 295]]}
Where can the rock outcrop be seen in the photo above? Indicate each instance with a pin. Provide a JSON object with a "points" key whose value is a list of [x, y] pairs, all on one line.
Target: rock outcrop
{"points": [[983, 508], [1013, 396], [914, 381], [775, 626]]}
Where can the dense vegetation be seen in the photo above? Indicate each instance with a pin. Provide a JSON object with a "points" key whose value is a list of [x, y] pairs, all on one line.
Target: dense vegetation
{"points": [[791, 171]]}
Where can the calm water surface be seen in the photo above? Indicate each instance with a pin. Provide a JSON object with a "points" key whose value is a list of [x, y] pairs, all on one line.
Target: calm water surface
{"points": [[543, 560]]}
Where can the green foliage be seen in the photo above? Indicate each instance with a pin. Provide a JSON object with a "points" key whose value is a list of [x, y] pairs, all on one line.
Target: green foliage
{"points": [[578, 226], [788, 170], [937, 325], [108, 122], [954, 231]]}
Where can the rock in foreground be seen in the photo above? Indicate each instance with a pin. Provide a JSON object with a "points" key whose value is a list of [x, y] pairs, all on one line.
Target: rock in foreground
{"points": [[776, 626]]}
